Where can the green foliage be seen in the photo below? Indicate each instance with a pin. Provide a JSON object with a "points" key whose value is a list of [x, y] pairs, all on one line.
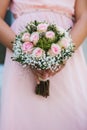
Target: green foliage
{"points": [[31, 28], [52, 27], [44, 43]]}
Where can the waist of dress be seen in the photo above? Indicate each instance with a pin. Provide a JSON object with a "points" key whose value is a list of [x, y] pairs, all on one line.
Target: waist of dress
{"points": [[35, 9]]}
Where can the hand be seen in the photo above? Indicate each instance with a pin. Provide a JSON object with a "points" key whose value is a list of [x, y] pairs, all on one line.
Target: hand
{"points": [[40, 74], [50, 73], [44, 74]]}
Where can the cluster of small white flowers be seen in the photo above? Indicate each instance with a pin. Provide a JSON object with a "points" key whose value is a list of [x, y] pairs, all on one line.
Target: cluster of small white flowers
{"points": [[17, 49], [45, 62]]}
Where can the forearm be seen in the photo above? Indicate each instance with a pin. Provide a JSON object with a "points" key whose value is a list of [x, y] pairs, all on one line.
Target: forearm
{"points": [[79, 31], [6, 34]]}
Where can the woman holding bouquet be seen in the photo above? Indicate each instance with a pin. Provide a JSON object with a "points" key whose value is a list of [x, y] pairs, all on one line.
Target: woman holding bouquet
{"points": [[66, 106]]}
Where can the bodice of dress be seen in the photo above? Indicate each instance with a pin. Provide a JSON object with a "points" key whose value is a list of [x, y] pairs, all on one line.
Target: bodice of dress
{"points": [[19, 7]]}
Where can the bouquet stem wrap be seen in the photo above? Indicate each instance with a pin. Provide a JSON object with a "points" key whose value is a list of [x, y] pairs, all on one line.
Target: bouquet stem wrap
{"points": [[42, 88]]}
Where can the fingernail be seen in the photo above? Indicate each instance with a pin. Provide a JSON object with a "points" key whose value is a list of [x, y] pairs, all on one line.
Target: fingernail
{"points": [[37, 82]]}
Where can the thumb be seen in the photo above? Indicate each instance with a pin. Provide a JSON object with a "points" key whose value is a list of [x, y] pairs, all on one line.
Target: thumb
{"points": [[37, 79]]}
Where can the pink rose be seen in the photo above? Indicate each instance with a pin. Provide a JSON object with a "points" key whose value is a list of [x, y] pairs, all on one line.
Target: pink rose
{"points": [[55, 49], [42, 27], [26, 37], [27, 47], [38, 52], [34, 37], [64, 42], [50, 34]]}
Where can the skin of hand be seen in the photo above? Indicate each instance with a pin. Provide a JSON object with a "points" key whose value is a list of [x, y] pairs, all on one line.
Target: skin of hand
{"points": [[78, 32], [45, 74]]}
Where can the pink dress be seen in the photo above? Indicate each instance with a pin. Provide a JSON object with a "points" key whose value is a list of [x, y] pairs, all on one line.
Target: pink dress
{"points": [[66, 107]]}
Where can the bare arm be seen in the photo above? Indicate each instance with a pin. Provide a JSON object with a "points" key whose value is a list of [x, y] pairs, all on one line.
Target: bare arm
{"points": [[79, 31], [6, 33]]}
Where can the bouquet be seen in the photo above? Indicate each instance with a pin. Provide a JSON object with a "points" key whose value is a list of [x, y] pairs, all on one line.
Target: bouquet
{"points": [[42, 46]]}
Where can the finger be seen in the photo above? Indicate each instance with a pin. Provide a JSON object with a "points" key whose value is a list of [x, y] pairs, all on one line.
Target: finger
{"points": [[39, 75], [46, 73], [57, 70], [37, 79], [36, 76], [43, 74]]}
